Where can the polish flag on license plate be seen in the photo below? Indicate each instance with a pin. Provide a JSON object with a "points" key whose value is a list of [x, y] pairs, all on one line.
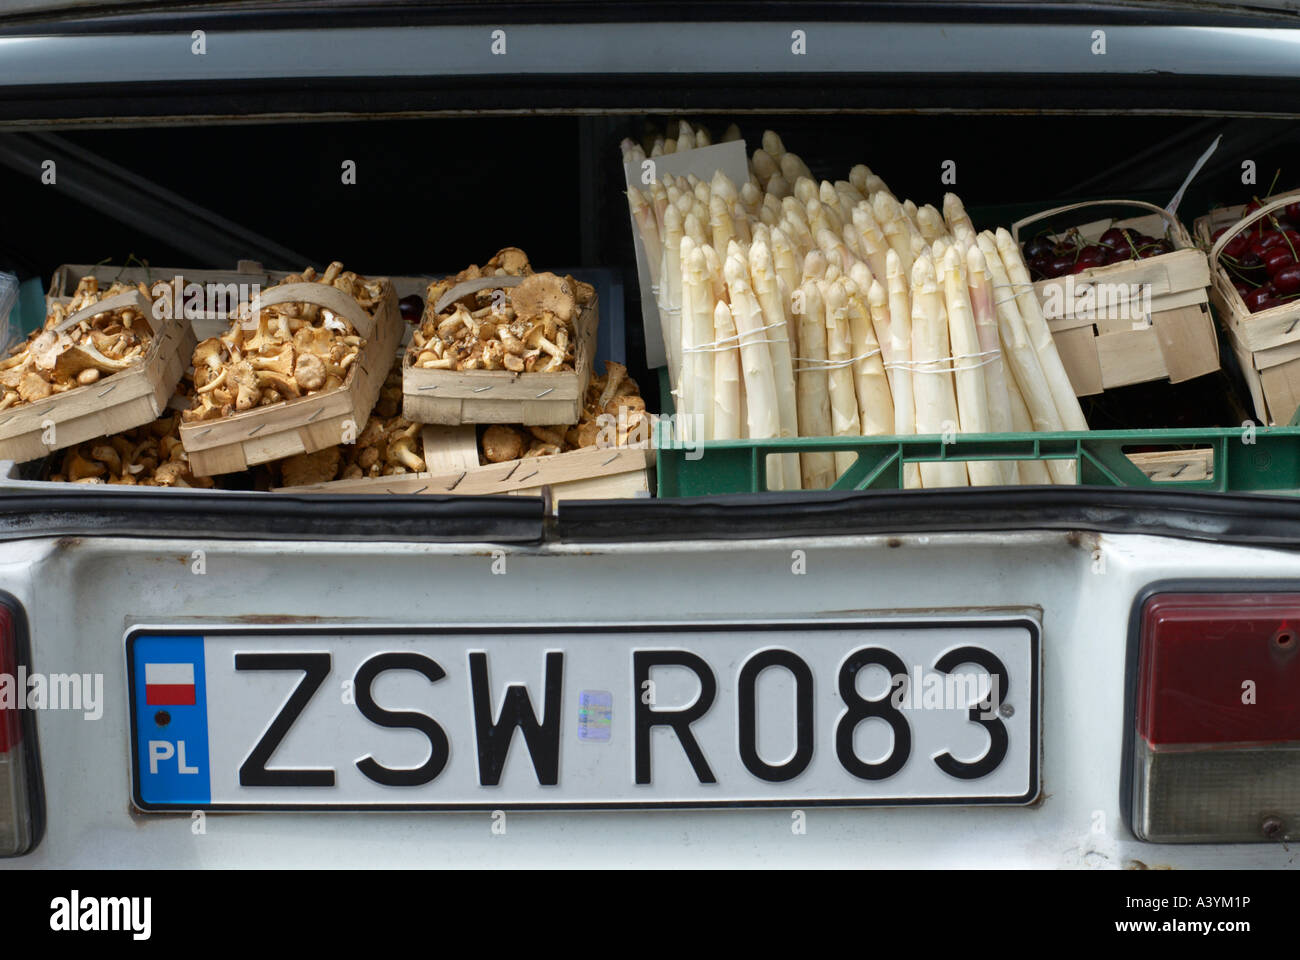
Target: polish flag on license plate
{"points": [[169, 684]]}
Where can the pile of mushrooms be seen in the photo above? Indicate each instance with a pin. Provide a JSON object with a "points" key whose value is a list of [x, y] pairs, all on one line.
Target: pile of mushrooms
{"points": [[299, 349], [149, 456], [105, 344], [524, 329], [386, 447], [614, 396]]}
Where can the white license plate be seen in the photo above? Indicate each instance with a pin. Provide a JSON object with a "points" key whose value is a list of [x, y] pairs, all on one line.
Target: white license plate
{"points": [[940, 710]]}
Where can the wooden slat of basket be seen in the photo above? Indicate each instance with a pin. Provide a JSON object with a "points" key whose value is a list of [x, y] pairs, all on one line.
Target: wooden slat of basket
{"points": [[510, 477], [1183, 465], [452, 397]]}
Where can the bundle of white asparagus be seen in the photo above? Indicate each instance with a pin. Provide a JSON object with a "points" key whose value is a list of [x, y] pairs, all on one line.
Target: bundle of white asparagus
{"points": [[792, 308]]}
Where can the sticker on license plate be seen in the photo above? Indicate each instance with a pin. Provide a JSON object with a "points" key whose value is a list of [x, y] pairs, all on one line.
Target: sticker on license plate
{"points": [[872, 712]]}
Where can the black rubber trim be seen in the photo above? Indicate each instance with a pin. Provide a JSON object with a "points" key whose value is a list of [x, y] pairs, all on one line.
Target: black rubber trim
{"points": [[250, 516], [1131, 656], [165, 17], [31, 742], [618, 93], [1255, 519]]}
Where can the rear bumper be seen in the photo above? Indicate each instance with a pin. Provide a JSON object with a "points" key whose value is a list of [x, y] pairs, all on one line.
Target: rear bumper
{"points": [[82, 592]]}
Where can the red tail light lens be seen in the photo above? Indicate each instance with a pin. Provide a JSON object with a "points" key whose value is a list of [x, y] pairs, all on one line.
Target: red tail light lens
{"points": [[17, 825], [1217, 740]]}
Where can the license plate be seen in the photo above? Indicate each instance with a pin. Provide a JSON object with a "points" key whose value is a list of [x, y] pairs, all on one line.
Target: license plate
{"points": [[853, 713]]}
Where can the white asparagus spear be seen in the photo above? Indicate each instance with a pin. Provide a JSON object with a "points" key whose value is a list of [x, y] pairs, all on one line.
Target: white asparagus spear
{"points": [[909, 211], [954, 214], [792, 167], [889, 215], [858, 177], [931, 223], [787, 272], [968, 364], [776, 318], [764, 166], [900, 345], [814, 265], [685, 137], [713, 268], [742, 223], [726, 375], [670, 145], [772, 144], [862, 276], [722, 185], [1020, 355], [874, 245], [812, 384], [845, 419], [1067, 403], [670, 288], [751, 197], [805, 190], [778, 187], [703, 192], [731, 133], [1033, 472], [936, 401], [995, 374], [762, 414], [693, 228], [643, 214], [875, 403], [688, 400], [761, 233], [657, 148], [853, 240], [721, 224], [875, 185], [698, 290], [848, 197]]}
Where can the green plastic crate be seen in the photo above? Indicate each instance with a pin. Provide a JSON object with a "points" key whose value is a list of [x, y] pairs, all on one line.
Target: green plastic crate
{"points": [[1259, 459]]}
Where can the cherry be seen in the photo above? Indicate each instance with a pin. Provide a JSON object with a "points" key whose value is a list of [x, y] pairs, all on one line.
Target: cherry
{"points": [[1250, 261], [1287, 280], [1256, 299], [1266, 241], [1092, 256], [1041, 264], [1114, 238], [1060, 266], [1118, 256], [1236, 246], [1241, 288], [412, 308], [1278, 258], [1293, 211], [1037, 247]]}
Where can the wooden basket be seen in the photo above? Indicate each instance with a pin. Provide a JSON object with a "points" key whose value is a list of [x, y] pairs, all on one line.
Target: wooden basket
{"points": [[451, 453], [305, 424], [450, 397], [114, 403], [1175, 341], [1267, 344]]}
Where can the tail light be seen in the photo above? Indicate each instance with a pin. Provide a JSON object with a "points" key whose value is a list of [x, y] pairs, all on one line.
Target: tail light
{"points": [[19, 808], [1216, 754]]}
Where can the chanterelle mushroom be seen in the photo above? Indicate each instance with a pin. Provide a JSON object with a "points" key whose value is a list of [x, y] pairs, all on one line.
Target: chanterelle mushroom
{"points": [[544, 293]]}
